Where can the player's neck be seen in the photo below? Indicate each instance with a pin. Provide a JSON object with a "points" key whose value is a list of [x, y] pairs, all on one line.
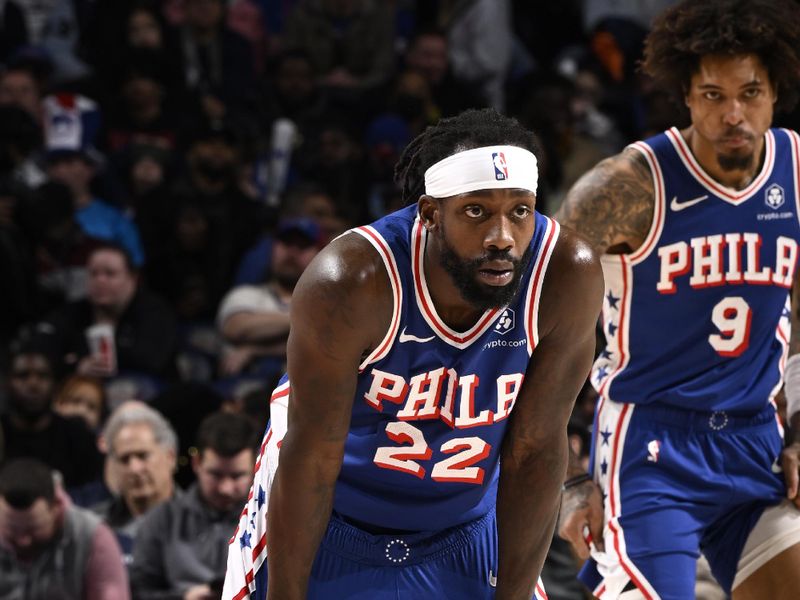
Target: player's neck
{"points": [[708, 158]]}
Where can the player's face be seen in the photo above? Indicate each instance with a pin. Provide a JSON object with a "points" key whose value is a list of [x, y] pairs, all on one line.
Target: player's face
{"points": [[484, 242], [731, 101], [224, 481]]}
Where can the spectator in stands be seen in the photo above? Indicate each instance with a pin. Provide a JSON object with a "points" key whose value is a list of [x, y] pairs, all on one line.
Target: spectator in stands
{"points": [[193, 265], [350, 42], [302, 200], [217, 62], [32, 429], [293, 90], [143, 324], [71, 123], [19, 302], [20, 146], [61, 247], [254, 320], [50, 549], [334, 159], [84, 397], [427, 54], [19, 86], [181, 549], [480, 42], [142, 447], [213, 160]]}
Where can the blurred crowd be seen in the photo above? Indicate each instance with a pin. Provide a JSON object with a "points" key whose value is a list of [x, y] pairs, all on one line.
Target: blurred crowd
{"points": [[169, 168]]}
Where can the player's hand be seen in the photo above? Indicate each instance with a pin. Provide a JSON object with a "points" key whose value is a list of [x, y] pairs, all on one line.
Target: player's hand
{"points": [[790, 460], [582, 508], [199, 592]]}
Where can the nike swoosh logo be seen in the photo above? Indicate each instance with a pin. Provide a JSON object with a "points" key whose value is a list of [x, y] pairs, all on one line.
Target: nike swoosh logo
{"points": [[407, 337], [678, 206], [492, 579]]}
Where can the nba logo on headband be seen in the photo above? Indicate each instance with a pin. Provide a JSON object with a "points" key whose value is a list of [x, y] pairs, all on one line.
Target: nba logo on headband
{"points": [[500, 167]]}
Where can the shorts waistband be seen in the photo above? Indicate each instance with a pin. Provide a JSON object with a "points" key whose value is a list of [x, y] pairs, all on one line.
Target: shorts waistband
{"points": [[399, 550], [712, 421]]}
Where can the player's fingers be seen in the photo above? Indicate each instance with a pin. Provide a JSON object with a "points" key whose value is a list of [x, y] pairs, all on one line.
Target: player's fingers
{"points": [[572, 531], [790, 465], [596, 530]]}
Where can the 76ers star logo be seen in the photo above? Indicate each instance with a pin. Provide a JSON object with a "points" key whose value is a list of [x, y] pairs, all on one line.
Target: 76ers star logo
{"points": [[500, 166]]}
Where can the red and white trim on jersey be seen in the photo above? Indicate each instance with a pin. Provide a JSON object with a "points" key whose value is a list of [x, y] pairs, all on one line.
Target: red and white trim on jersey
{"points": [[419, 235], [618, 275], [247, 549], [725, 193], [375, 238], [539, 593], [659, 208], [616, 417], [534, 291]]}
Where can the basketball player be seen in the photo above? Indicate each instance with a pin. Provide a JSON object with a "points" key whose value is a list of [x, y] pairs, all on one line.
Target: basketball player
{"points": [[699, 230], [434, 359]]}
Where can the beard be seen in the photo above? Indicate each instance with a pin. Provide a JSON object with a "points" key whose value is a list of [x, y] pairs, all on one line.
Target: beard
{"points": [[736, 162], [730, 162], [464, 272]]}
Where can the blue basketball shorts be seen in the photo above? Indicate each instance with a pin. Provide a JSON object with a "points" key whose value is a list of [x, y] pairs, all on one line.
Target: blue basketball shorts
{"points": [[459, 563], [676, 482]]}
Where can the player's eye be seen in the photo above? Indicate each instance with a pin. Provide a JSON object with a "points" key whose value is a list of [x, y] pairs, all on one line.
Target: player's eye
{"points": [[752, 92], [711, 95], [474, 211], [522, 211]]}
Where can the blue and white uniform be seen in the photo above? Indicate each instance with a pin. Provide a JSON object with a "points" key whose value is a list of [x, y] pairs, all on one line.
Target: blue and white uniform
{"points": [[422, 454], [697, 328]]}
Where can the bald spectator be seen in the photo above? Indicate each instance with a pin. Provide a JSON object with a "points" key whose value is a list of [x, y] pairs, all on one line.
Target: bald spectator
{"points": [[142, 447], [50, 549]]}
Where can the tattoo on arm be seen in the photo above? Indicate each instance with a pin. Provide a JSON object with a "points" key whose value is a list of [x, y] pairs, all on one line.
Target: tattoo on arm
{"points": [[612, 205]]}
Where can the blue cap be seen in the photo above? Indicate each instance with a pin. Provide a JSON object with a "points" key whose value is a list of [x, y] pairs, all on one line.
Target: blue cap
{"points": [[298, 227]]}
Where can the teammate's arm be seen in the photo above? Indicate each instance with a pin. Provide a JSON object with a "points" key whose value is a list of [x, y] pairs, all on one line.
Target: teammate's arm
{"points": [[612, 207], [534, 454], [791, 454], [341, 307], [612, 204]]}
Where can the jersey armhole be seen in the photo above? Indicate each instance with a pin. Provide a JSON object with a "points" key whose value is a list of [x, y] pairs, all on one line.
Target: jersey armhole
{"points": [[534, 291], [382, 247], [659, 204]]}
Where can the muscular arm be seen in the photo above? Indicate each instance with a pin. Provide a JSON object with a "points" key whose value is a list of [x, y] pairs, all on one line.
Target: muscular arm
{"points": [[341, 307], [534, 454], [612, 204]]}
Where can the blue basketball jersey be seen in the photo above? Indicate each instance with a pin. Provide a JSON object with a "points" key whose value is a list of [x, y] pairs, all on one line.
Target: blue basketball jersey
{"points": [[432, 403], [698, 316]]}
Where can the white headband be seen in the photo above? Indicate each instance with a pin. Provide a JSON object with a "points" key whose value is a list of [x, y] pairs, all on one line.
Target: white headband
{"points": [[488, 168]]}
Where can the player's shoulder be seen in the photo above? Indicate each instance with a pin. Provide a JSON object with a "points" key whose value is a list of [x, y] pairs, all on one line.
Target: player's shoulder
{"points": [[349, 260], [573, 255]]}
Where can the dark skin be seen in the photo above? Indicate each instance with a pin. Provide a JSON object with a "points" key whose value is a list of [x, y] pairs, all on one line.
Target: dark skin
{"points": [[347, 291], [730, 99]]}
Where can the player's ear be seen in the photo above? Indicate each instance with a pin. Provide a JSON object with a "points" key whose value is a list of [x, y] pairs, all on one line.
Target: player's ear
{"points": [[428, 210]]}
